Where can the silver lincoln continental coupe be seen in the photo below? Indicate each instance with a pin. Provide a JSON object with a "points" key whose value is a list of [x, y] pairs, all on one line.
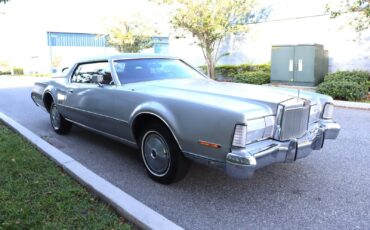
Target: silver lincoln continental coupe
{"points": [[173, 113]]}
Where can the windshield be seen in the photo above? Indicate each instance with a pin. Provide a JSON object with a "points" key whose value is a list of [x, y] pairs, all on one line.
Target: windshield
{"points": [[137, 70]]}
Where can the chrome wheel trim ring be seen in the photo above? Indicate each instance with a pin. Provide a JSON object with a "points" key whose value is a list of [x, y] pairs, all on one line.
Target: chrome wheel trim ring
{"points": [[155, 153], [55, 117]]}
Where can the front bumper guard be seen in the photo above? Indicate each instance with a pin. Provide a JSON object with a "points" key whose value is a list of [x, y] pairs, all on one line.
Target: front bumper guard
{"points": [[242, 163]]}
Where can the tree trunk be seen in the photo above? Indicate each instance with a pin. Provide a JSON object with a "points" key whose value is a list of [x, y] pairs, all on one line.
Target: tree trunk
{"points": [[210, 64], [210, 60], [211, 69]]}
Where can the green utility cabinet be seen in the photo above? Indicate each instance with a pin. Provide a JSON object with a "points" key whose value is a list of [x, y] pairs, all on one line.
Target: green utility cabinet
{"points": [[299, 64]]}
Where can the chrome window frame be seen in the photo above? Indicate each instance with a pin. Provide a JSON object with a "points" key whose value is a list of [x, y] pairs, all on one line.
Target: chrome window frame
{"points": [[91, 62]]}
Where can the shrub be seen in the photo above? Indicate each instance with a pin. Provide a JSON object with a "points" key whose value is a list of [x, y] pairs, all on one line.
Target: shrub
{"points": [[346, 85], [249, 68], [343, 90], [40, 74], [360, 77], [5, 73], [227, 70], [264, 67], [18, 71], [232, 71], [257, 78]]}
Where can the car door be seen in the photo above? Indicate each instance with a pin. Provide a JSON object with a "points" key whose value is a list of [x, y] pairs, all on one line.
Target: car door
{"points": [[91, 97]]}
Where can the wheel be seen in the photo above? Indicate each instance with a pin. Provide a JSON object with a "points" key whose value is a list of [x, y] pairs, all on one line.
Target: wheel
{"points": [[59, 124], [162, 157]]}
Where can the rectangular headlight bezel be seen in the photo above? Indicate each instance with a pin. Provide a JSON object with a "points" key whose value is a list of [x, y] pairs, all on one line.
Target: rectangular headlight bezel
{"points": [[327, 112], [270, 126], [240, 136]]}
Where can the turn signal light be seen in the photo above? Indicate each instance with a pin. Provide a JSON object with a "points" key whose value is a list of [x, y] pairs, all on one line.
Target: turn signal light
{"points": [[209, 144]]}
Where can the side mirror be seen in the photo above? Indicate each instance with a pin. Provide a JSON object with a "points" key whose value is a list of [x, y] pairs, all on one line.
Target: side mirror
{"points": [[65, 69]]}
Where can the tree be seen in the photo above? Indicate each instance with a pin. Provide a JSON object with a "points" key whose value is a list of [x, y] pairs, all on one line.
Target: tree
{"points": [[130, 34], [4, 1], [360, 9], [56, 61], [210, 22], [4, 66]]}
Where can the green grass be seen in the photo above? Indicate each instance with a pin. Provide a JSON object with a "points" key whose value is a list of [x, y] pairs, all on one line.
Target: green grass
{"points": [[37, 194]]}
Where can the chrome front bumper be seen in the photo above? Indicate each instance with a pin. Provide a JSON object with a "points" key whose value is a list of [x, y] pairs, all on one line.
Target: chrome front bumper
{"points": [[243, 162]]}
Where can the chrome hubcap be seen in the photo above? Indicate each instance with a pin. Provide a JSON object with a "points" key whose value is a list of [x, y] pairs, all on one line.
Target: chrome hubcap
{"points": [[55, 117], [156, 153]]}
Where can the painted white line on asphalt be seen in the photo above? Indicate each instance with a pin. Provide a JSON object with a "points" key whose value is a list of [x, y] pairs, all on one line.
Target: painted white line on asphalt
{"points": [[129, 207]]}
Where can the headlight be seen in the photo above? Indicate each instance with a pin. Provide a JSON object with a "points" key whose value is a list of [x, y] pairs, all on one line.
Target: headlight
{"points": [[327, 112], [270, 127], [255, 129], [314, 113], [240, 136]]}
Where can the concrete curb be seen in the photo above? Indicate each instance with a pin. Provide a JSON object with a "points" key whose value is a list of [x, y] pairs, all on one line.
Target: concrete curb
{"points": [[132, 209], [352, 105]]}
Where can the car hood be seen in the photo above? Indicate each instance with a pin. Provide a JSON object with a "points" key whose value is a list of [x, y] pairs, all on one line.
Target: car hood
{"points": [[224, 94], [236, 91]]}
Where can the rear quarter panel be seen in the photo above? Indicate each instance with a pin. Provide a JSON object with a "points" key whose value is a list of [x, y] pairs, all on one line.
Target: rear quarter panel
{"points": [[38, 93], [53, 86]]}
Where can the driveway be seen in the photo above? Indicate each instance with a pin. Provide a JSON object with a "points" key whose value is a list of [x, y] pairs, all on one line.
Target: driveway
{"points": [[330, 189]]}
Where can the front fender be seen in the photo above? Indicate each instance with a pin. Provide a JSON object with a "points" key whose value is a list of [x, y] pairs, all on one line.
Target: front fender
{"points": [[161, 112]]}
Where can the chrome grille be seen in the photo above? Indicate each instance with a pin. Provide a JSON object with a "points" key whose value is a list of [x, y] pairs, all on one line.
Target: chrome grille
{"points": [[294, 122]]}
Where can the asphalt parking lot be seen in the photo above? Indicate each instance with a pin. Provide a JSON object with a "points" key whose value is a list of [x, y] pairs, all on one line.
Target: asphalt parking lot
{"points": [[330, 189]]}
